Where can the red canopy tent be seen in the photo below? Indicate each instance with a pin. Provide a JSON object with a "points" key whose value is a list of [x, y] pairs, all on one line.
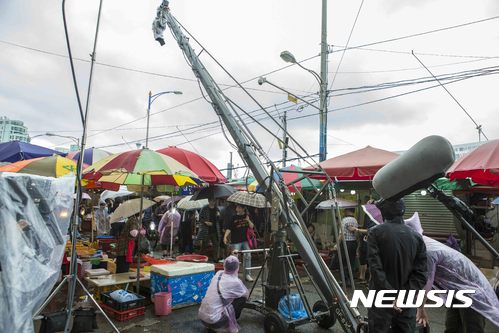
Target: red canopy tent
{"points": [[197, 163], [361, 164], [481, 165]]}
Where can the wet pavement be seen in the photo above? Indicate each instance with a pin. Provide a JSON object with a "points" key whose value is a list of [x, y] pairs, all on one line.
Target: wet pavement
{"points": [[185, 320]]}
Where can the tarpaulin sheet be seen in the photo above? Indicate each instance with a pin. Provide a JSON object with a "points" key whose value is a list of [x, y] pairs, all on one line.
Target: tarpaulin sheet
{"points": [[34, 220]]}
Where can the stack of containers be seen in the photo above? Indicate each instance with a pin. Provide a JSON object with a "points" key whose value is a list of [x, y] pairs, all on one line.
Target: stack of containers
{"points": [[123, 305]]}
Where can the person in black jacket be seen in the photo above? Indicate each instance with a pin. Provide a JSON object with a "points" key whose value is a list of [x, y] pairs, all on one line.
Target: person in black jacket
{"points": [[397, 261]]}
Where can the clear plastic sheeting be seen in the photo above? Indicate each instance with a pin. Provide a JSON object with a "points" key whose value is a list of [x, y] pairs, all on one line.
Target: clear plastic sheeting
{"points": [[451, 270], [34, 218]]}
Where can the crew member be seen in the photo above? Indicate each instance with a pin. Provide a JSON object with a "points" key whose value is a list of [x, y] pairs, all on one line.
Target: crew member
{"points": [[397, 261]]}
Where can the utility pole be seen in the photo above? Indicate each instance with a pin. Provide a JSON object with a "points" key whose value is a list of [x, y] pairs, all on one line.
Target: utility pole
{"points": [[323, 88], [229, 168], [284, 139]]}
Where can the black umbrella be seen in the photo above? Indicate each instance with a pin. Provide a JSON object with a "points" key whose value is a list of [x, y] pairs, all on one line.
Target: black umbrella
{"points": [[214, 191]]}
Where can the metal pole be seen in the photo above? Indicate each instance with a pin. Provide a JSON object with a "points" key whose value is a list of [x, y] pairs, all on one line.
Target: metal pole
{"points": [[140, 228], [148, 115], [284, 139], [323, 88], [74, 226], [229, 169]]}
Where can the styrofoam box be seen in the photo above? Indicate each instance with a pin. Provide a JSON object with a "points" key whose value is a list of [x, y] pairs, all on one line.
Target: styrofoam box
{"points": [[186, 281]]}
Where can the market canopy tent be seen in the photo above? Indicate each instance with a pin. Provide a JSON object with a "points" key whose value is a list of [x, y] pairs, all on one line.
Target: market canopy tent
{"points": [[14, 151], [295, 181], [361, 164], [481, 165], [197, 163]]}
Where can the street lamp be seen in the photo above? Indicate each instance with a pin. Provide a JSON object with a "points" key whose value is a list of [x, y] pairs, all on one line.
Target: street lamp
{"points": [[77, 140], [322, 80], [152, 98]]}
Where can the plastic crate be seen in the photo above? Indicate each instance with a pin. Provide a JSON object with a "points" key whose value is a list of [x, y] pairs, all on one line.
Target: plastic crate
{"points": [[136, 303], [123, 315]]}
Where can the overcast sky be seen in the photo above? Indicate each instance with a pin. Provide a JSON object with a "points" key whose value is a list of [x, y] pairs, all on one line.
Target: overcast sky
{"points": [[246, 37]]}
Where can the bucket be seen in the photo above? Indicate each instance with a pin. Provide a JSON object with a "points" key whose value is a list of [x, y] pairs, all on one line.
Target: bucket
{"points": [[162, 303], [192, 258]]}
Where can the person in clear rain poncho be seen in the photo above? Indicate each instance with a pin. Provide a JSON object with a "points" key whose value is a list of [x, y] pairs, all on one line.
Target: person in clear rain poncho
{"points": [[224, 299], [448, 269], [102, 219]]}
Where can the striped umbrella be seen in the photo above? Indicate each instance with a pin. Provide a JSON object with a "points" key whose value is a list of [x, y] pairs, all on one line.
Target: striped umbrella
{"points": [[197, 163], [52, 166], [137, 166]]}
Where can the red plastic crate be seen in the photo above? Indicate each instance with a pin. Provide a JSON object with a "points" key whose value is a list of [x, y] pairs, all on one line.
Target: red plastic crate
{"points": [[123, 315]]}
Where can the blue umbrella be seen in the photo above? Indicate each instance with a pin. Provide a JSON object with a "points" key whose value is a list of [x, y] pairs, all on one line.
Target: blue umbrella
{"points": [[14, 151]]}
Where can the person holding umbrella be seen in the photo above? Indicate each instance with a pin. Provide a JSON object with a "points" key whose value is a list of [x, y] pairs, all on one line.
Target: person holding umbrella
{"points": [[236, 229]]}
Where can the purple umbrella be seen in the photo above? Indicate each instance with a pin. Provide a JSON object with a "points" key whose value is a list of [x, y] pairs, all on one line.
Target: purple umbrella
{"points": [[373, 212]]}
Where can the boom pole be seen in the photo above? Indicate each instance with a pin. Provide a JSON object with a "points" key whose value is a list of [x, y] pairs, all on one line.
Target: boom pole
{"points": [[348, 317]]}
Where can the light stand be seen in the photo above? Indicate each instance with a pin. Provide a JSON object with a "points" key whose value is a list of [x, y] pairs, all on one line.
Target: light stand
{"points": [[72, 277]]}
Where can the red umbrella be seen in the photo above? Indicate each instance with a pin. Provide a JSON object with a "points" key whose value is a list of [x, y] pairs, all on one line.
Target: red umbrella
{"points": [[481, 165], [361, 164], [197, 163]]}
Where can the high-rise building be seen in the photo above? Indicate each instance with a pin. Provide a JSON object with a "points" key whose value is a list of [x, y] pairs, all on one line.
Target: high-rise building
{"points": [[464, 148], [12, 130]]}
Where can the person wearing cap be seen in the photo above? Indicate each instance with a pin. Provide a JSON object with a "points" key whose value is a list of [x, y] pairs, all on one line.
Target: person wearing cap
{"points": [[224, 300], [449, 269], [102, 219], [397, 261], [236, 229]]}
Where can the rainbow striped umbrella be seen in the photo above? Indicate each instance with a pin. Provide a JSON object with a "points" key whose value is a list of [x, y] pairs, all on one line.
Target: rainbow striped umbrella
{"points": [[51, 166], [133, 167]]}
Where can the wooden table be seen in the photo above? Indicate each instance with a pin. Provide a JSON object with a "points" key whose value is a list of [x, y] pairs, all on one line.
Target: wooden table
{"points": [[114, 282]]}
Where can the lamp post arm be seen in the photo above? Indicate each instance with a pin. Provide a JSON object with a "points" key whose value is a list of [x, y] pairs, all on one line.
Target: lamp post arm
{"points": [[317, 76], [152, 98], [264, 80]]}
